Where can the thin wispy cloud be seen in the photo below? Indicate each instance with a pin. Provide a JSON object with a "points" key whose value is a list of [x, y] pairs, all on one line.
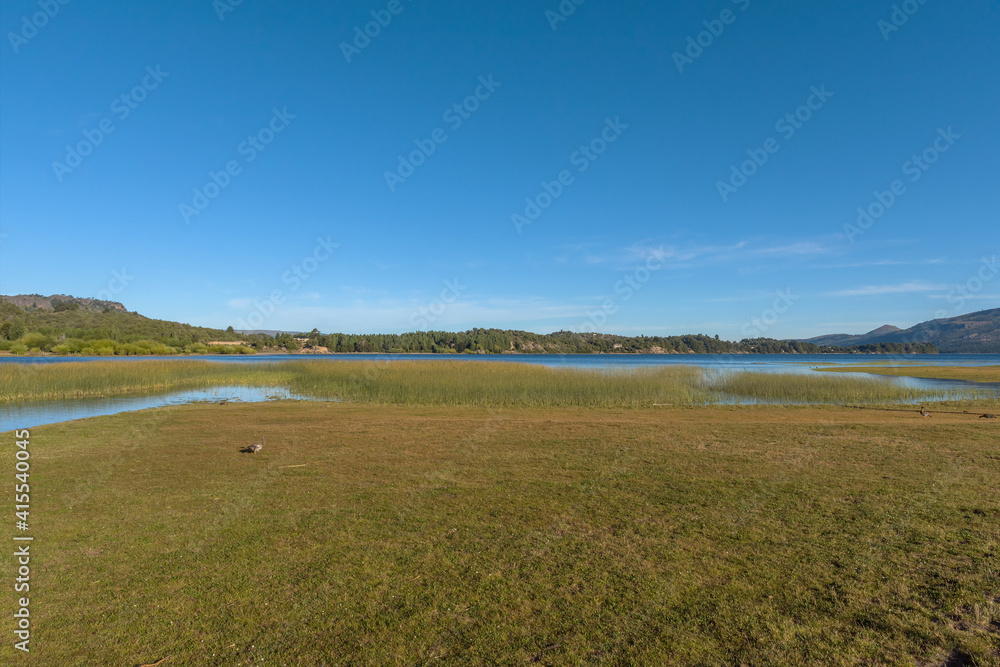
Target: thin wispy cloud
{"points": [[966, 296], [901, 288], [802, 248], [619, 258], [685, 255], [879, 262]]}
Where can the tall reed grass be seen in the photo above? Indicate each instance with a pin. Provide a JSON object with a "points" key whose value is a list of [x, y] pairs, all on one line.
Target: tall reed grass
{"points": [[22, 382], [492, 384], [455, 383]]}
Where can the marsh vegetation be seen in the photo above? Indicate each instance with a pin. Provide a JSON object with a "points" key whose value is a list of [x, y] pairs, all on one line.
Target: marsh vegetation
{"points": [[460, 383]]}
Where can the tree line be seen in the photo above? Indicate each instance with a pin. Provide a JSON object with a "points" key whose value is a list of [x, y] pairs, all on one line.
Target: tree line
{"points": [[69, 329]]}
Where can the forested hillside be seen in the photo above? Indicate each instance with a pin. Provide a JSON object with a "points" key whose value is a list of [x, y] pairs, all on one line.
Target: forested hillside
{"points": [[72, 329], [68, 327]]}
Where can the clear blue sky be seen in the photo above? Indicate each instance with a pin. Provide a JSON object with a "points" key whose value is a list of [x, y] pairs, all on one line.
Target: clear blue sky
{"points": [[196, 87]]}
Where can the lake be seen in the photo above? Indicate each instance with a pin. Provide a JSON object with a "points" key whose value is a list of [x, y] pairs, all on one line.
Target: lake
{"points": [[782, 363]]}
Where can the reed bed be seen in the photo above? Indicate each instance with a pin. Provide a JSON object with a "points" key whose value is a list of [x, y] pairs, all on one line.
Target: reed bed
{"points": [[458, 383], [96, 379], [493, 384]]}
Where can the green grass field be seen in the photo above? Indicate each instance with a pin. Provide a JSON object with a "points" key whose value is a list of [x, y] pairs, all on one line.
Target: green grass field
{"points": [[368, 534]]}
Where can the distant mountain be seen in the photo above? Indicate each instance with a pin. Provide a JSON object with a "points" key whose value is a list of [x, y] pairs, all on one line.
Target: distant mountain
{"points": [[31, 302], [884, 330], [842, 340], [973, 333]]}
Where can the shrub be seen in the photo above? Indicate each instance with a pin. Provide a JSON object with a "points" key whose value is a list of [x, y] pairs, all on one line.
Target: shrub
{"points": [[231, 349], [37, 341], [99, 348], [70, 345]]}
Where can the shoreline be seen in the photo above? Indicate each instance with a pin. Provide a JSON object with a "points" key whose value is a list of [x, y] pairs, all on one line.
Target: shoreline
{"points": [[268, 353]]}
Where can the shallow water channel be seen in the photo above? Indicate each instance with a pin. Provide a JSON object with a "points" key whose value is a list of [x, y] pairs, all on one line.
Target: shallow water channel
{"points": [[29, 414]]}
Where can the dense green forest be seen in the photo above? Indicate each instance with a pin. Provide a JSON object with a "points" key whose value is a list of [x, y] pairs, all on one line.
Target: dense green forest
{"points": [[69, 328], [496, 341]]}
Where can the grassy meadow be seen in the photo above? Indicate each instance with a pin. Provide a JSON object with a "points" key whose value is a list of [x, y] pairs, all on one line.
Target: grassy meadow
{"points": [[418, 534]]}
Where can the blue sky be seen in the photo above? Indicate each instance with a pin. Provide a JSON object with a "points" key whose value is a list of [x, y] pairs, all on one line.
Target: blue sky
{"points": [[622, 124]]}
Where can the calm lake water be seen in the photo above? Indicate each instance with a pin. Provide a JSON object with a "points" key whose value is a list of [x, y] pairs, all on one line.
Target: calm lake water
{"points": [[781, 363], [37, 413]]}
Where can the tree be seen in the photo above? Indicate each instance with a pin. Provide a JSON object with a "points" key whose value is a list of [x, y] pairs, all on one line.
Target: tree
{"points": [[60, 306], [16, 329]]}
